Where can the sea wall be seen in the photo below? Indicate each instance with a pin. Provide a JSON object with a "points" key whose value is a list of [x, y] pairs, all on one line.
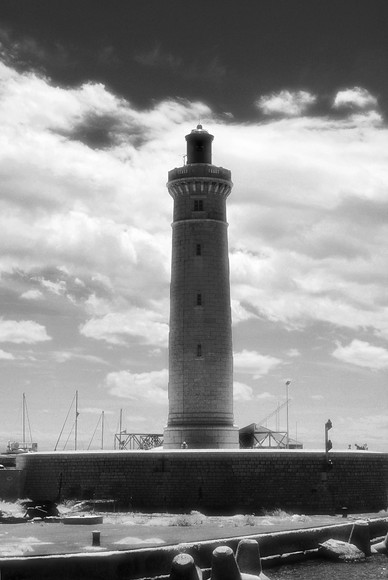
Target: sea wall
{"points": [[219, 481]]}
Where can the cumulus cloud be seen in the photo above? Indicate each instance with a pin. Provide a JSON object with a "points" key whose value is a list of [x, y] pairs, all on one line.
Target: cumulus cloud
{"points": [[265, 395], [296, 289], [287, 103], [362, 354], [85, 222], [365, 428], [106, 212], [22, 331], [6, 355], [94, 411], [66, 356], [242, 392], [151, 386], [32, 294], [97, 212], [239, 312], [355, 98], [147, 326], [293, 352], [254, 363], [58, 287]]}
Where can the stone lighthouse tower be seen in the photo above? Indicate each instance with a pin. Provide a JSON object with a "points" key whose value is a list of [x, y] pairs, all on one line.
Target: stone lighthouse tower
{"points": [[200, 386]]}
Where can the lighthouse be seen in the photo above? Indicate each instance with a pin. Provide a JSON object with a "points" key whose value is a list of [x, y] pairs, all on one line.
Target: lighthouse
{"points": [[200, 389]]}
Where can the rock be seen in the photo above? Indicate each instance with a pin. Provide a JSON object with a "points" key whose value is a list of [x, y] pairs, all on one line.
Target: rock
{"points": [[338, 550]]}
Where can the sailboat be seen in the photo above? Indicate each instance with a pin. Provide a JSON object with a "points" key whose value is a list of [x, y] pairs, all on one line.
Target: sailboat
{"points": [[74, 426], [14, 446]]}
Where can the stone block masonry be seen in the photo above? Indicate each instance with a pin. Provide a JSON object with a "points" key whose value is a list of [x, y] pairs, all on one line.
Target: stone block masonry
{"points": [[11, 484], [212, 481], [200, 388]]}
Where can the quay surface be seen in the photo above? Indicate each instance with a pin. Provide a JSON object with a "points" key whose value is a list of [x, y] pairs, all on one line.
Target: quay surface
{"points": [[47, 550]]}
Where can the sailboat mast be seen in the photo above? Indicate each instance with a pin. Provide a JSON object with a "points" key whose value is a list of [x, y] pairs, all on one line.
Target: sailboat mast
{"points": [[121, 427], [76, 421], [24, 421], [102, 429]]}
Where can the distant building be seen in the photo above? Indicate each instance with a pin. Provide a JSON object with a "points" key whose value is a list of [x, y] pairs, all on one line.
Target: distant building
{"points": [[257, 436]]}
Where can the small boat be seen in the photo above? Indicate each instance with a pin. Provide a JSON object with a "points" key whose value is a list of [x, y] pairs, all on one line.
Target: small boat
{"points": [[82, 520]]}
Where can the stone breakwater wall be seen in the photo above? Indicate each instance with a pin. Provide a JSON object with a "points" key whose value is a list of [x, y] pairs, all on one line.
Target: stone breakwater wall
{"points": [[219, 481], [11, 484]]}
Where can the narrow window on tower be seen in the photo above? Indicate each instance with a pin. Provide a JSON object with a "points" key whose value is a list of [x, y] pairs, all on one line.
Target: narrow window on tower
{"points": [[199, 350], [198, 250], [198, 205], [199, 299]]}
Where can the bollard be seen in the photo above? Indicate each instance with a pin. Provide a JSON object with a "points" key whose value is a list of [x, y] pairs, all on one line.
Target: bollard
{"points": [[381, 547], [361, 537], [96, 538], [344, 511], [224, 565], [248, 557], [184, 568]]}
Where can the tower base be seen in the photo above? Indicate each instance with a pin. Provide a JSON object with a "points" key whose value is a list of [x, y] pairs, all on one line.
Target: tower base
{"points": [[201, 437]]}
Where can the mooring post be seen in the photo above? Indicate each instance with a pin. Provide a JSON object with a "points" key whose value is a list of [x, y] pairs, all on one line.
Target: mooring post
{"points": [[248, 557], [361, 536], [184, 568], [381, 547], [224, 565], [96, 534]]}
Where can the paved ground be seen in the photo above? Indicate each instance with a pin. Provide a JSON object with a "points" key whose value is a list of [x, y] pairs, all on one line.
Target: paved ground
{"points": [[122, 532]]}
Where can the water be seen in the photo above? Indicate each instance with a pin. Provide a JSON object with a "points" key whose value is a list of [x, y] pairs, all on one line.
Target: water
{"points": [[374, 568]]}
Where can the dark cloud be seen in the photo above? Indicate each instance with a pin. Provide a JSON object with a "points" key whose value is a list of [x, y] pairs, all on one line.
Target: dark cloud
{"points": [[108, 56], [198, 69], [210, 70], [157, 58], [96, 131], [27, 53]]}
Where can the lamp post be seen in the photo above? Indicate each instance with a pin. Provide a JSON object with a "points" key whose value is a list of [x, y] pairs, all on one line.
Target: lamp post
{"points": [[287, 402], [328, 445]]}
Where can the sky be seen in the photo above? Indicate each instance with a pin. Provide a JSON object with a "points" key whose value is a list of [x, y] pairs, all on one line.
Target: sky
{"points": [[96, 98]]}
